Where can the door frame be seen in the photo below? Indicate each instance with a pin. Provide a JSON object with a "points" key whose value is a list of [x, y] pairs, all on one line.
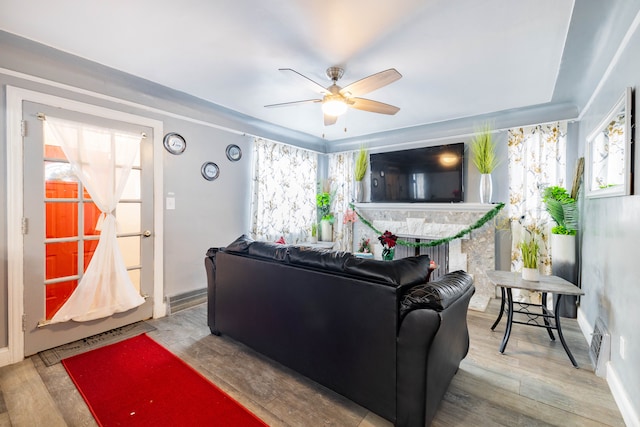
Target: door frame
{"points": [[15, 198]]}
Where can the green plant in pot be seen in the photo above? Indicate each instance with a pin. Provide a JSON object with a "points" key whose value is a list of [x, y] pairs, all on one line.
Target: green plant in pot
{"points": [[563, 210], [529, 248], [483, 156], [362, 162], [314, 232], [323, 203]]}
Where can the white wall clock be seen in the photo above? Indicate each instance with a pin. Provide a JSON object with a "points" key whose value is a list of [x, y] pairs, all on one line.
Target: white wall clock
{"points": [[174, 143], [234, 153], [210, 171]]}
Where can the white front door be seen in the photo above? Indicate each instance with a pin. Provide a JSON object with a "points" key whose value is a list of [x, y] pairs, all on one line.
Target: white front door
{"points": [[60, 230]]}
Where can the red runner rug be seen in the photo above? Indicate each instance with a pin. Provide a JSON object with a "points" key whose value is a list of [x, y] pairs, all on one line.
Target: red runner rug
{"points": [[137, 382]]}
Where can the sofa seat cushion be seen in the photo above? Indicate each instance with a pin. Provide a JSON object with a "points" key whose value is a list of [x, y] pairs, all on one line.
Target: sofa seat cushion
{"points": [[436, 295], [401, 272]]}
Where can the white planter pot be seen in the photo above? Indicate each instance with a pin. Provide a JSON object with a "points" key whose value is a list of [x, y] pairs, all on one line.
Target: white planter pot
{"points": [[531, 274], [326, 231], [563, 264]]}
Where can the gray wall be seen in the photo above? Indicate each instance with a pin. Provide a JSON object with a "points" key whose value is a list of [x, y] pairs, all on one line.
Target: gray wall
{"points": [[610, 236], [207, 213]]}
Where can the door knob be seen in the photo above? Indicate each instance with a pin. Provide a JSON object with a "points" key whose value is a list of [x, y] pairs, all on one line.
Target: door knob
{"points": [[146, 233]]}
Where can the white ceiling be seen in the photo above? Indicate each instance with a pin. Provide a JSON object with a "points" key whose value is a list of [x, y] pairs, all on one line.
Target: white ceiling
{"points": [[458, 59]]}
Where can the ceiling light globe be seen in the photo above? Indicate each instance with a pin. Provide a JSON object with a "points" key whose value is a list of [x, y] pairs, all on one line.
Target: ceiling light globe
{"points": [[334, 107]]}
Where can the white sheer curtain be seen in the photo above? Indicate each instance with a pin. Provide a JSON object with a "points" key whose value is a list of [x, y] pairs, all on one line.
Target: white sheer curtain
{"points": [[284, 192], [102, 159], [341, 175], [537, 158]]}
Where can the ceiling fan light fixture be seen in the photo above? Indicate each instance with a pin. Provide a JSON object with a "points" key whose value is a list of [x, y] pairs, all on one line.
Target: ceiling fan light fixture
{"points": [[334, 105]]}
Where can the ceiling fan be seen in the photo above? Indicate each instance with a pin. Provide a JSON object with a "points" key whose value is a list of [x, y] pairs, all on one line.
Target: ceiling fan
{"points": [[336, 100]]}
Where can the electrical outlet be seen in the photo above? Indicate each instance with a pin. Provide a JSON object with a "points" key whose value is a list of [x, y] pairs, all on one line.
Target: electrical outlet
{"points": [[623, 344]]}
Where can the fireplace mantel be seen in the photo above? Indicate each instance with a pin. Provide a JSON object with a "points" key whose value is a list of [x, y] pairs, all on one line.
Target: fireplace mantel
{"points": [[451, 207]]}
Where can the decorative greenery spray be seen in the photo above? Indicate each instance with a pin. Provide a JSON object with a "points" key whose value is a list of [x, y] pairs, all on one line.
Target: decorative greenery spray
{"points": [[483, 150], [362, 161], [482, 221]]}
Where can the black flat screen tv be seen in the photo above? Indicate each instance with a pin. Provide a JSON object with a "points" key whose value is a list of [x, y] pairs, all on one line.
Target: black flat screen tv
{"points": [[420, 175]]}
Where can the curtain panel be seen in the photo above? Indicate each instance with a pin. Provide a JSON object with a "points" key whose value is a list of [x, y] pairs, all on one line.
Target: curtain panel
{"points": [[341, 173], [102, 159], [284, 192], [537, 159]]}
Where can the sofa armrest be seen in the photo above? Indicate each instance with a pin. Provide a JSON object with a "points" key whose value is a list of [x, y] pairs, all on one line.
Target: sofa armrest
{"points": [[436, 295]]}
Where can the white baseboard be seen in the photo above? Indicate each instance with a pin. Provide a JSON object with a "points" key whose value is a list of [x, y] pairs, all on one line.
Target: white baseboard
{"points": [[627, 410], [618, 391], [585, 327], [5, 356]]}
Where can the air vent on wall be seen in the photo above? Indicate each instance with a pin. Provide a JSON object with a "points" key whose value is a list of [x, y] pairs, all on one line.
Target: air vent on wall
{"points": [[600, 349]]}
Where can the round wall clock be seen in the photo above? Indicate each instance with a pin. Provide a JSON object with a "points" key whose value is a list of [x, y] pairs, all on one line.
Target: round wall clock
{"points": [[210, 171], [174, 143], [234, 153]]}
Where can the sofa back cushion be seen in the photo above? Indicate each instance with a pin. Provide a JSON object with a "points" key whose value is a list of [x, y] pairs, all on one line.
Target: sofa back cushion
{"points": [[240, 245], [323, 259], [401, 272], [270, 250]]}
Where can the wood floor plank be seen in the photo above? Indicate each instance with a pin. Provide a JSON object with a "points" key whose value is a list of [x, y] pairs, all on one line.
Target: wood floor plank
{"points": [[532, 384], [26, 397]]}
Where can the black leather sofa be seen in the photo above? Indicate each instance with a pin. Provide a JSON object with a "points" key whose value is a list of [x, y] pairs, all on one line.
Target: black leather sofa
{"points": [[374, 331]]}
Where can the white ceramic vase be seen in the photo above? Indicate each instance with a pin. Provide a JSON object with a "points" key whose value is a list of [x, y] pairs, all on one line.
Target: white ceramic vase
{"points": [[486, 188], [358, 191]]}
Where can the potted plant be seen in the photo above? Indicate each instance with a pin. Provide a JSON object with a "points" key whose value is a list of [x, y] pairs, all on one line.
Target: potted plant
{"points": [[529, 248], [388, 241], [323, 202], [563, 209], [362, 162], [483, 155], [314, 233]]}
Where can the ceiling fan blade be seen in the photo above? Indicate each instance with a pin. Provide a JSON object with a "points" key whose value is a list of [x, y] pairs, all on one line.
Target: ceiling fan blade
{"points": [[372, 106], [371, 83], [288, 104], [330, 120], [316, 87]]}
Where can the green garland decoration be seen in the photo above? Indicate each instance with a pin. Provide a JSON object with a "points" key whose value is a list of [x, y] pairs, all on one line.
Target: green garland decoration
{"points": [[482, 221]]}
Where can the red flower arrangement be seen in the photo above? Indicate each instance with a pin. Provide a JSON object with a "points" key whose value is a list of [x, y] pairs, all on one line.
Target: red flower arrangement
{"points": [[388, 241]]}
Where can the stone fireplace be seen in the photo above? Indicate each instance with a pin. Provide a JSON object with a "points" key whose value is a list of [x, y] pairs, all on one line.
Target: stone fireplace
{"points": [[474, 253]]}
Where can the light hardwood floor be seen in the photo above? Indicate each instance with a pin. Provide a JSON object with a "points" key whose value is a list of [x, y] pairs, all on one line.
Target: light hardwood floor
{"points": [[532, 384]]}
